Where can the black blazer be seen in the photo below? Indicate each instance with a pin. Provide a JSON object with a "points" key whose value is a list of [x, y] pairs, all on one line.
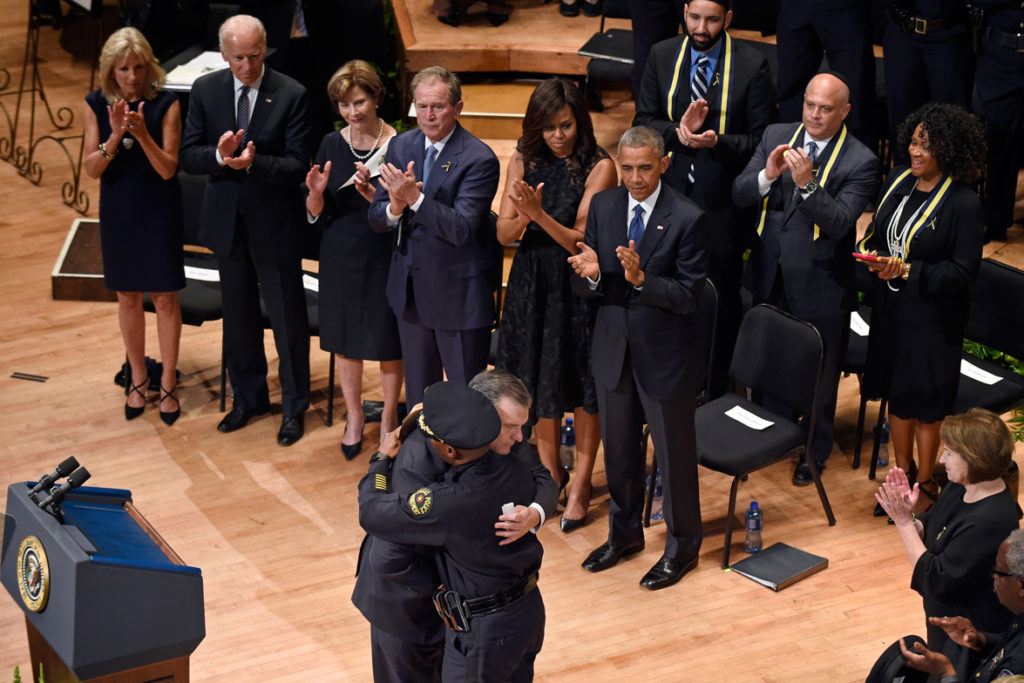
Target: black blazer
{"points": [[818, 272], [750, 109], [268, 193], [655, 325]]}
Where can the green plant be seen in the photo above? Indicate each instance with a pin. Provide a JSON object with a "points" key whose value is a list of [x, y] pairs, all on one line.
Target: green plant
{"points": [[1016, 420]]}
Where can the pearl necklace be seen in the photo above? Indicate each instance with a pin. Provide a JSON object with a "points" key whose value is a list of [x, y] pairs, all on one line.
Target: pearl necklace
{"points": [[357, 155]]}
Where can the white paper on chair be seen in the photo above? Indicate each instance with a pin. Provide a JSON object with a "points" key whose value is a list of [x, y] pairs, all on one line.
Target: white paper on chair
{"points": [[311, 283], [858, 325], [977, 374], [745, 417], [203, 274], [373, 164]]}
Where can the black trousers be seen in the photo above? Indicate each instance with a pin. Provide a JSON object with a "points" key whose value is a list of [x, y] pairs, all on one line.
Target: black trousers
{"points": [[623, 410], [999, 97], [243, 281]]}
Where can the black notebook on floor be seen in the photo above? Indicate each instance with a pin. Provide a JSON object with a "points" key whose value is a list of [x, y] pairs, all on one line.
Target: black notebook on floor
{"points": [[779, 566]]}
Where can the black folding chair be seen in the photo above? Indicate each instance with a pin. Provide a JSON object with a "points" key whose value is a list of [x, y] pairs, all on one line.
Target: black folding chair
{"points": [[777, 356]]}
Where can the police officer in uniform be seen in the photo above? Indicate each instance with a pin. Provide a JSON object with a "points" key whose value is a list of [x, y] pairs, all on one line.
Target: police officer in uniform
{"points": [[928, 58], [490, 594], [999, 95]]}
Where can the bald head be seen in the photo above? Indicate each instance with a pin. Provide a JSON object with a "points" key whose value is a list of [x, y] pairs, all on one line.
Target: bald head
{"points": [[826, 106], [243, 44]]}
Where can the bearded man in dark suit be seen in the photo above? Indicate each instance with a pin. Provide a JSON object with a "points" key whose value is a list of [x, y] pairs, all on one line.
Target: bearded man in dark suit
{"points": [[643, 259], [811, 182], [247, 130], [711, 97]]}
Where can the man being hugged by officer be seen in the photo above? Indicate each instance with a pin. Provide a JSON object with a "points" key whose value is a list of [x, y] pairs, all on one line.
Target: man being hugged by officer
{"points": [[489, 591]]}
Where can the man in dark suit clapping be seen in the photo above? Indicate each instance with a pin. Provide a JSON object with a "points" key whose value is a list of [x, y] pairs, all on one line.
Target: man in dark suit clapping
{"points": [[247, 130], [810, 182], [436, 188], [643, 258]]}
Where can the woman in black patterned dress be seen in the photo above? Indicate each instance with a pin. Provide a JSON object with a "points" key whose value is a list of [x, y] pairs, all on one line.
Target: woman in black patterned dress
{"points": [[132, 134], [545, 329]]}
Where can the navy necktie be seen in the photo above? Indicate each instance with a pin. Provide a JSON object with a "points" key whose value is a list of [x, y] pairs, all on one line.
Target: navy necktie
{"points": [[636, 226], [242, 120], [429, 162], [812, 151]]}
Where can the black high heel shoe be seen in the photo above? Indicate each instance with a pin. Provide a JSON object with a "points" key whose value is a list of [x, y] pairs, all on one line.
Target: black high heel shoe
{"points": [[171, 416], [351, 450], [131, 412]]}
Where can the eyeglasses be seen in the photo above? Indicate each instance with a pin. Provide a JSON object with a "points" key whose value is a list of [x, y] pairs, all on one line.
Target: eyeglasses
{"points": [[995, 572]]}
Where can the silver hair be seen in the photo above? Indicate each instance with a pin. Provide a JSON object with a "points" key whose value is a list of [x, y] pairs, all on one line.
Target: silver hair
{"points": [[442, 74], [1015, 552], [495, 384], [642, 136], [238, 22]]}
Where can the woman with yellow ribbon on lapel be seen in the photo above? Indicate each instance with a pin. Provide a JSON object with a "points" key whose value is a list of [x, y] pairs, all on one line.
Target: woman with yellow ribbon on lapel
{"points": [[927, 234]]}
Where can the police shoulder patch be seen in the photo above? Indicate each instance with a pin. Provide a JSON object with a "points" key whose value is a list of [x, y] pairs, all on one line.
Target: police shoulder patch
{"points": [[420, 502]]}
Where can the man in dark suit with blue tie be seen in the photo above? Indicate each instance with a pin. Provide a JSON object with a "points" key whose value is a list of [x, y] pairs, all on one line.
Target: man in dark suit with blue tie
{"points": [[810, 182], [436, 188], [643, 260], [247, 130]]}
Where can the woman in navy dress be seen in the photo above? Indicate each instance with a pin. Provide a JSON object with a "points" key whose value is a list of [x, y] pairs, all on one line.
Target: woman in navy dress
{"points": [[356, 322], [132, 134], [928, 229], [545, 329]]}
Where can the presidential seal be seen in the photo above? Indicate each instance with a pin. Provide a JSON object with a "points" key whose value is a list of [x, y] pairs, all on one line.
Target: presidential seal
{"points": [[420, 502], [33, 574]]}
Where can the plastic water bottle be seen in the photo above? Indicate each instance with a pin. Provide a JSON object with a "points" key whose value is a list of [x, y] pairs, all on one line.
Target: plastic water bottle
{"points": [[752, 544], [567, 452]]}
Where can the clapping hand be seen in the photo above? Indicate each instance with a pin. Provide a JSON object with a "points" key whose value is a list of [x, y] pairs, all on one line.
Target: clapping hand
{"points": [[137, 124], [776, 164], [693, 119], [316, 180], [800, 165], [118, 117], [402, 186], [630, 261], [527, 200], [897, 498], [923, 659], [585, 263], [960, 630], [362, 182]]}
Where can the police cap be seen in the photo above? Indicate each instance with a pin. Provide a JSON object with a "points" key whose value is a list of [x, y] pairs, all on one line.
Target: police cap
{"points": [[459, 416]]}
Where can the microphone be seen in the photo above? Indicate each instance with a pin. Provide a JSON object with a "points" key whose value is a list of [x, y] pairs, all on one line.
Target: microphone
{"points": [[47, 480], [76, 479]]}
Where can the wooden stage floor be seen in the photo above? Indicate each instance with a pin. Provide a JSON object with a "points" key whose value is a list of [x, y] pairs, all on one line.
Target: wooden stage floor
{"points": [[275, 529]]}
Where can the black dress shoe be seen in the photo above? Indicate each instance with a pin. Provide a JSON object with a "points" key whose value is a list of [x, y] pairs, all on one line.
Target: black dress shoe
{"points": [[450, 19], [497, 18], [569, 9], [879, 510], [292, 429], [607, 556], [591, 9], [802, 474], [571, 524], [666, 572], [239, 417]]}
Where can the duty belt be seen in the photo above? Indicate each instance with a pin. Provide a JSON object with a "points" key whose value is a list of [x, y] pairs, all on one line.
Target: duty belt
{"points": [[456, 611], [1014, 41], [919, 25]]}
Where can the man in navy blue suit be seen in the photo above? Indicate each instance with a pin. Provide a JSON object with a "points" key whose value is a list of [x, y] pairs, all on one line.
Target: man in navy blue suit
{"points": [[436, 188], [247, 130]]}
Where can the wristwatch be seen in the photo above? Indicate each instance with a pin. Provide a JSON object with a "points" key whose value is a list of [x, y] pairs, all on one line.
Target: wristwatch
{"points": [[378, 456], [810, 187]]}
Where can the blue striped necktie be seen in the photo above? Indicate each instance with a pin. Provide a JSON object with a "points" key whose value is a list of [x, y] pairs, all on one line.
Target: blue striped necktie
{"points": [[429, 162], [698, 91], [242, 120]]}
